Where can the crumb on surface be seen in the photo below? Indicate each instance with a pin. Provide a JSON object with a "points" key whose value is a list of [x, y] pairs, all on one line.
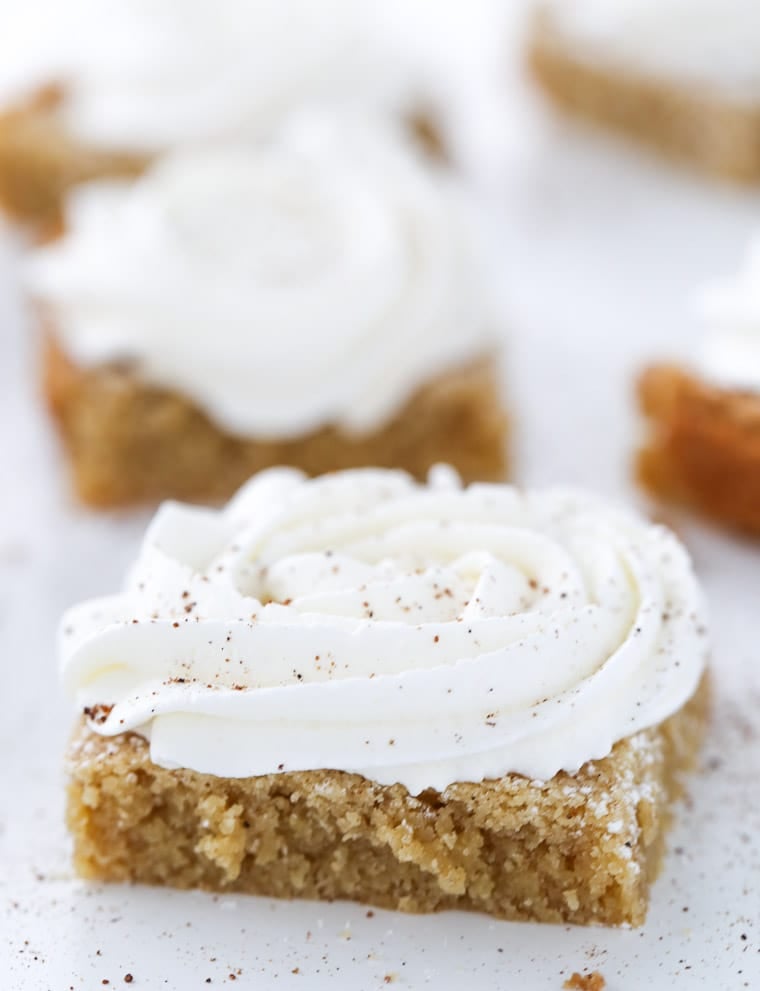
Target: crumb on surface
{"points": [[585, 982]]}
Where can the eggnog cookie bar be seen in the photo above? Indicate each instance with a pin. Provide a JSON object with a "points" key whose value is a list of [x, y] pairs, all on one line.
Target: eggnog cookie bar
{"points": [[703, 417], [316, 302], [680, 76], [417, 696], [91, 90]]}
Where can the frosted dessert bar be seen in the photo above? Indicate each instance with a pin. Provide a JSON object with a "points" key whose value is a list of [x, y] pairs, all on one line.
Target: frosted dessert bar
{"points": [[318, 300], [702, 444], [419, 696], [679, 76]]}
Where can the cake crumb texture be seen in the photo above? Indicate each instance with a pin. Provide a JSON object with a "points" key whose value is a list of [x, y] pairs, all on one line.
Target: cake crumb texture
{"points": [[703, 447], [581, 848], [693, 125], [130, 442]]}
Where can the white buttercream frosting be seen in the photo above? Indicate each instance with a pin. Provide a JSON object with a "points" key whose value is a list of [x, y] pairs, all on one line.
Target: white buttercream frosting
{"points": [[409, 633], [318, 279], [146, 75], [729, 352], [710, 42]]}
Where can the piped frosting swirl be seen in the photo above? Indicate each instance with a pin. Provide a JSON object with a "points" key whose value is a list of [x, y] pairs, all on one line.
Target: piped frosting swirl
{"points": [[319, 279], [421, 634]]}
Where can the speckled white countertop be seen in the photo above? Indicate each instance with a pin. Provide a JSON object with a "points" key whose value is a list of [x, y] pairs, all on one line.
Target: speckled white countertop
{"points": [[595, 250]]}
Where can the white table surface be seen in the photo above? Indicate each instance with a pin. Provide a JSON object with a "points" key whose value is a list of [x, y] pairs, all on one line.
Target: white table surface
{"points": [[595, 250]]}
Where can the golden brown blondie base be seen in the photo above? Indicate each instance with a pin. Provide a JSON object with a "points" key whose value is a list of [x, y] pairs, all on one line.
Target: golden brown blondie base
{"points": [[40, 161], [581, 848], [694, 125], [703, 448], [129, 442]]}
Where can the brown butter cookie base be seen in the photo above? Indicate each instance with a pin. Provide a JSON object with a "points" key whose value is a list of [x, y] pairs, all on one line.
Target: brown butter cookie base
{"points": [[129, 442], [703, 448], [581, 848], [693, 125]]}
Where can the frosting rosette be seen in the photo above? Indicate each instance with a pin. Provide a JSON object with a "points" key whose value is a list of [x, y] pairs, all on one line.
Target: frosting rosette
{"points": [[419, 634], [317, 279], [147, 75], [729, 354]]}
